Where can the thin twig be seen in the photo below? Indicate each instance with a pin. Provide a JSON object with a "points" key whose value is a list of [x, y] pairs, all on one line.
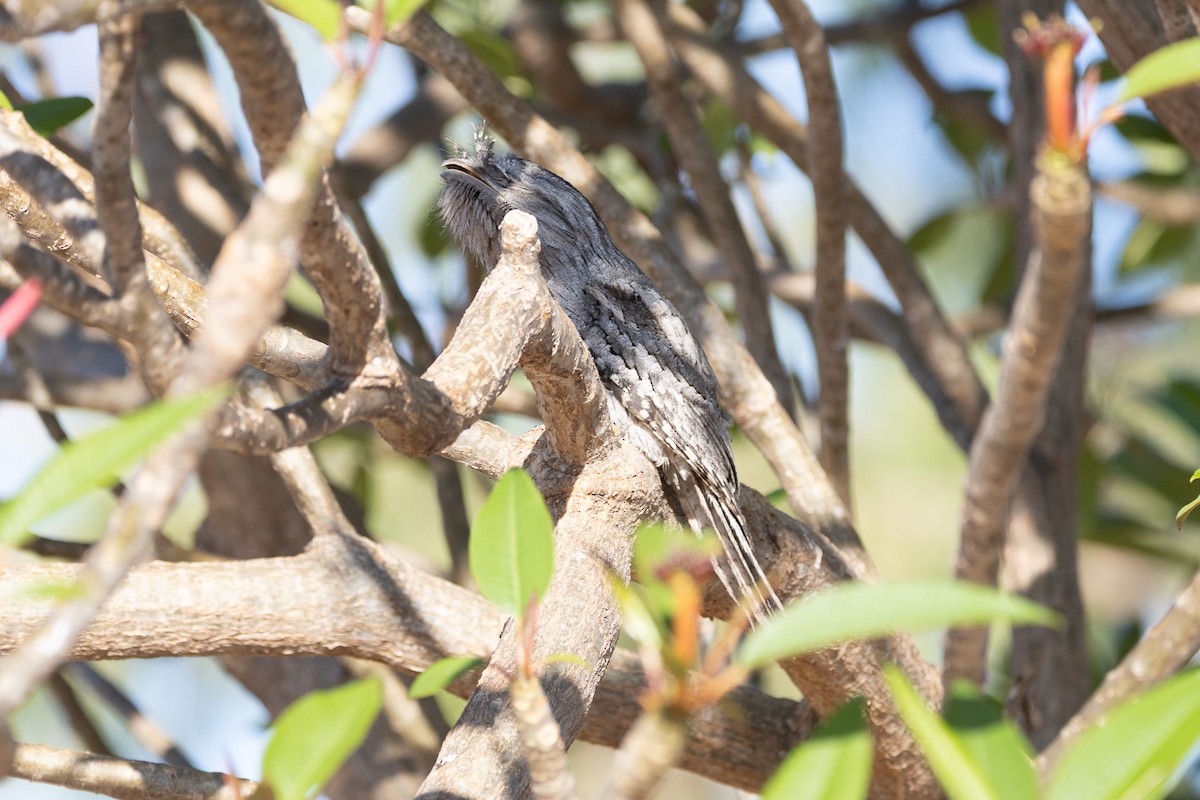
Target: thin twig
{"points": [[958, 396], [143, 729], [333, 257], [1163, 651], [124, 779], [882, 25], [690, 146], [829, 192], [77, 717], [158, 345]]}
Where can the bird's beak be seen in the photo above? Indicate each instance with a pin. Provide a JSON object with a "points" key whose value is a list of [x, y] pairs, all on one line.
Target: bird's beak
{"points": [[461, 169]]}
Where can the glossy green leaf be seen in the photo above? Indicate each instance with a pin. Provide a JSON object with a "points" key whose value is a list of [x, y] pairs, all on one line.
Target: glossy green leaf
{"points": [[441, 673], [1167, 68], [324, 15], [956, 770], [49, 116], [833, 764], [999, 748], [1137, 749], [864, 611], [98, 459], [512, 544], [315, 735], [1184, 512]]}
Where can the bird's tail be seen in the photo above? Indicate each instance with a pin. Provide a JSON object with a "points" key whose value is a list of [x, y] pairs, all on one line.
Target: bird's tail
{"points": [[711, 506]]}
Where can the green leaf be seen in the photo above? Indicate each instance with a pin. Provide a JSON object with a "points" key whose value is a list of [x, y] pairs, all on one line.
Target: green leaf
{"points": [[1181, 397], [949, 757], [394, 11], [1167, 68], [1182, 516], [48, 116], [1161, 156], [1115, 529], [967, 139], [432, 235], [1153, 243], [98, 459], [997, 746], [834, 764], [316, 734], [5, 103], [779, 499], [495, 51], [642, 625], [983, 22], [1144, 462], [865, 611], [441, 673], [397, 11], [720, 125], [656, 546], [927, 237], [512, 544], [1136, 750], [324, 15]]}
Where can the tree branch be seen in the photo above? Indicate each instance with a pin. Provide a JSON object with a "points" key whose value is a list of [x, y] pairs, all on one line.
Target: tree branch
{"points": [[690, 147], [824, 167], [124, 779], [958, 397], [1061, 198]]}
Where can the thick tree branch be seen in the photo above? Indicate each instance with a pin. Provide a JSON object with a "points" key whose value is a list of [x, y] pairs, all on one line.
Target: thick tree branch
{"points": [[324, 602], [1061, 198]]}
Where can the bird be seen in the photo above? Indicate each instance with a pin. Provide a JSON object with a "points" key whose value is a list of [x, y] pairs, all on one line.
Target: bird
{"points": [[661, 390]]}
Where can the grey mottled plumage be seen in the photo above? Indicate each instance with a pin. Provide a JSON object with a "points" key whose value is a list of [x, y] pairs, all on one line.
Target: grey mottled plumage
{"points": [[661, 387]]}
